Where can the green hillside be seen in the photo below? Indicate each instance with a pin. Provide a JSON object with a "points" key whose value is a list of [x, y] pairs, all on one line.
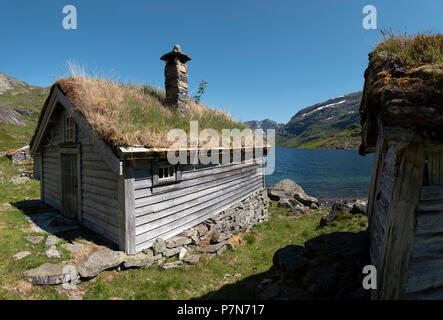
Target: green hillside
{"points": [[22, 103], [332, 124]]}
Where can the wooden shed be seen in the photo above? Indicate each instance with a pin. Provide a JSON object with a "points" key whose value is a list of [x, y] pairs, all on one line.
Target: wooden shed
{"points": [[130, 194], [402, 122]]}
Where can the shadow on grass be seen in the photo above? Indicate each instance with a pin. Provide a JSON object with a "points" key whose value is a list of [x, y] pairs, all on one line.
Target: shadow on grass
{"points": [[47, 219], [245, 289]]}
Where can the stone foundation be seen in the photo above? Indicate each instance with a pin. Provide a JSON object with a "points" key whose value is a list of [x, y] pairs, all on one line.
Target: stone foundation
{"points": [[212, 236]]}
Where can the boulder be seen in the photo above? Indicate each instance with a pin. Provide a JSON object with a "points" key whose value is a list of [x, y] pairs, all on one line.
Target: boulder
{"points": [[344, 246], [359, 208], [53, 253], [171, 265], [188, 233], [171, 252], [140, 259], [288, 189], [340, 207], [212, 247], [327, 267], [34, 239], [51, 274], [290, 261], [21, 255], [158, 246], [291, 196], [100, 261], [177, 241], [192, 259], [52, 240], [220, 237], [183, 252], [201, 229]]}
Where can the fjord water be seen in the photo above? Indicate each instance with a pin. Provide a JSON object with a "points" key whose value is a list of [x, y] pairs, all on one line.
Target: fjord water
{"points": [[324, 174]]}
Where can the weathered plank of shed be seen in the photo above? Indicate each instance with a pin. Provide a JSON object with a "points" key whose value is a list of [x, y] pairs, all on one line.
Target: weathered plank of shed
{"points": [[201, 216], [429, 223], [429, 193], [99, 192], [201, 194], [425, 274], [400, 226]]}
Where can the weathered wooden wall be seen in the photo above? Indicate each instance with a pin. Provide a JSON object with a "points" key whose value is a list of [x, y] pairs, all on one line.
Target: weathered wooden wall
{"points": [[99, 196], [51, 178], [164, 211], [425, 279], [99, 185]]}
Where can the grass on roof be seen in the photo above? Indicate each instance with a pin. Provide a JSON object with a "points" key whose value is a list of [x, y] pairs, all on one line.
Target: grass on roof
{"points": [[136, 115], [409, 50]]}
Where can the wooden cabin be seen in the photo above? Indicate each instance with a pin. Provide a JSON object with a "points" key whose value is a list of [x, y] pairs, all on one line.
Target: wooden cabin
{"points": [[131, 195], [401, 117]]}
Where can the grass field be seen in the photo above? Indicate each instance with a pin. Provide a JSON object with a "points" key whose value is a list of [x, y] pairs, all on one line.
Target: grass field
{"points": [[235, 275]]}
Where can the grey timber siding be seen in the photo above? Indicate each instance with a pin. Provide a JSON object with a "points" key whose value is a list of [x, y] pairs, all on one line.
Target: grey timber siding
{"points": [[425, 280], [51, 179], [166, 210], [99, 185], [382, 197], [99, 196]]}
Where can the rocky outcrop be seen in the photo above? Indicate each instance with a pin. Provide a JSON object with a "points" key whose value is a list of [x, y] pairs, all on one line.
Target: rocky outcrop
{"points": [[291, 196], [327, 267], [8, 115]]}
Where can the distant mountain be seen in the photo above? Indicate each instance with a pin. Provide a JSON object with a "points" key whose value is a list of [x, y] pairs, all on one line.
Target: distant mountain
{"points": [[330, 124], [20, 105], [264, 124]]}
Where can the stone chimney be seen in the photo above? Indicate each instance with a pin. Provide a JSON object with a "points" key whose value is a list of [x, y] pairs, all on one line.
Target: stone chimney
{"points": [[176, 78]]}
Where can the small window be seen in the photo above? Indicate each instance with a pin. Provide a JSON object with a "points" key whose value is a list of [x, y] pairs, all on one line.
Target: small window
{"points": [[165, 173], [69, 130]]}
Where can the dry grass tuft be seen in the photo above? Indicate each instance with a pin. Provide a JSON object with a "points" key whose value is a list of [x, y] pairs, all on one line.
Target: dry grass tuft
{"points": [[409, 50], [134, 115]]}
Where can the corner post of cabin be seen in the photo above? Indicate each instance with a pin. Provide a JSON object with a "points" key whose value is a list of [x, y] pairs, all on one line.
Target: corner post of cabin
{"points": [[176, 79], [126, 209]]}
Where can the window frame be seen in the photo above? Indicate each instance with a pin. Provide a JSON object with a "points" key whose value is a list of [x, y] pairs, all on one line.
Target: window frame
{"points": [[69, 119], [159, 165]]}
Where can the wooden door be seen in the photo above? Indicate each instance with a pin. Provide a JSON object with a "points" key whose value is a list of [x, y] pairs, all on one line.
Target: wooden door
{"points": [[70, 184]]}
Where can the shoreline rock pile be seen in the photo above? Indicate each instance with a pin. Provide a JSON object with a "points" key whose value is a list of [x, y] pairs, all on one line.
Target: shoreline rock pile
{"points": [[338, 207], [291, 196]]}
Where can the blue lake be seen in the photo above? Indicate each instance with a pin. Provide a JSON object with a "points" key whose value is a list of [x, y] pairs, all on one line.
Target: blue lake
{"points": [[324, 174]]}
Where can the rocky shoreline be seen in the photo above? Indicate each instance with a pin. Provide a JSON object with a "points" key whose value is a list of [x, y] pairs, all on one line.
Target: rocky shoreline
{"points": [[326, 267]]}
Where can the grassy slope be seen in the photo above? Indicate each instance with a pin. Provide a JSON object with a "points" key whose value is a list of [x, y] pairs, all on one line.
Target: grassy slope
{"points": [[233, 275], [31, 99], [347, 139]]}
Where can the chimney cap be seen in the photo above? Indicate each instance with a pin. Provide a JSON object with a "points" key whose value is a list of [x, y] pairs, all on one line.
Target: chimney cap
{"points": [[176, 52]]}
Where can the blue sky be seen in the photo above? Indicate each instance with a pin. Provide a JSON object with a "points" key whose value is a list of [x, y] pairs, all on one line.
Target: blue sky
{"points": [[261, 59]]}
